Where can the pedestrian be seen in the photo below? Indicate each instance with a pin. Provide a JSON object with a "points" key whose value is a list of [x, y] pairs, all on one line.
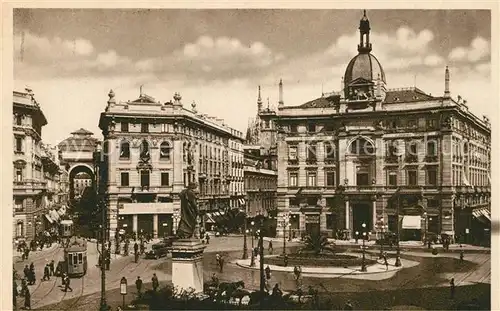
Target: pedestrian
{"points": [[452, 288], [66, 284], [386, 263], [270, 247], [32, 279], [285, 260], [32, 267], [277, 293], [14, 295], [46, 273], [51, 266], [268, 272], [26, 272], [155, 282], [136, 252], [108, 261], [138, 285], [217, 260], [207, 237], [461, 254], [24, 285], [221, 263], [27, 299]]}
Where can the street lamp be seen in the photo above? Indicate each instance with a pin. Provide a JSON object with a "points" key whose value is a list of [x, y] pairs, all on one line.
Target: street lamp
{"points": [[293, 216], [398, 250], [245, 248], [425, 228], [357, 236], [123, 290], [252, 258], [363, 264], [286, 220], [382, 239]]}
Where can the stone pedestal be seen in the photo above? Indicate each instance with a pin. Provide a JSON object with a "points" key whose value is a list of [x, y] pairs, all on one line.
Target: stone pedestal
{"points": [[187, 264]]}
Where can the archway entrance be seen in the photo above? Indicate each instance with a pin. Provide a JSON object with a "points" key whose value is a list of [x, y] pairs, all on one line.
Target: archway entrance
{"points": [[80, 178], [361, 213]]}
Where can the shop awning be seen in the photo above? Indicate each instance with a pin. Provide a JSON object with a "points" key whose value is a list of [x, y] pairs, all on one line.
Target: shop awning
{"points": [[482, 212], [49, 218], [412, 222], [54, 215], [66, 222], [209, 219]]}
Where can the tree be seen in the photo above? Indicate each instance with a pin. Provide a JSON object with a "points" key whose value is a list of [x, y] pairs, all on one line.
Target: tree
{"points": [[317, 244]]}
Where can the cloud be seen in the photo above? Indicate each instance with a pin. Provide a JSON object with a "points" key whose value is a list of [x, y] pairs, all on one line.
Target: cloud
{"points": [[41, 49], [479, 49]]}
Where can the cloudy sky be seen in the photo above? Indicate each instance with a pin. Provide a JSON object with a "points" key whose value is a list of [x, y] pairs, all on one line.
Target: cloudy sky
{"points": [[217, 58]]}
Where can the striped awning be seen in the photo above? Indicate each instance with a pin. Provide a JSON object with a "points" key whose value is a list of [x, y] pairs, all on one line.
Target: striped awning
{"points": [[482, 212]]}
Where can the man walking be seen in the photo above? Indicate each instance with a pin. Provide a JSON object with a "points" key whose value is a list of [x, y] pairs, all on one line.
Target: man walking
{"points": [[136, 252], [27, 299], [270, 247], [155, 282], [461, 254], [66, 284], [46, 273], [452, 288], [138, 285], [51, 266]]}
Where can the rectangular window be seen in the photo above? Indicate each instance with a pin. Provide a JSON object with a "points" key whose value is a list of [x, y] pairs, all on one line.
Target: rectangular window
{"points": [[19, 120], [431, 148], [311, 152], [412, 178], [330, 179], [144, 127], [293, 128], [331, 221], [19, 174], [144, 178], [165, 180], [292, 152], [392, 178], [329, 152], [294, 179], [75, 259], [311, 128], [412, 123], [80, 258], [311, 179], [19, 144], [124, 127], [362, 179], [18, 204], [431, 176], [124, 179]]}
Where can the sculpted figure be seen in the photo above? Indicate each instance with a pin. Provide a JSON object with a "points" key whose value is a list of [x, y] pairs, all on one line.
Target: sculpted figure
{"points": [[189, 213]]}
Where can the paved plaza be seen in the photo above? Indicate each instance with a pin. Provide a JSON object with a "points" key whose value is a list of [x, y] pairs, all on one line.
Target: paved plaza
{"points": [[421, 270]]}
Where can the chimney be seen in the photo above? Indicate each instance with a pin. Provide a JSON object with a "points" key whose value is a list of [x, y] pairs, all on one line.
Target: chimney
{"points": [[447, 83]]}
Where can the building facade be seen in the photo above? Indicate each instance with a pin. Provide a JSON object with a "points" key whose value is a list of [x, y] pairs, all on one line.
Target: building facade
{"points": [[260, 183], [349, 157], [37, 175], [153, 150]]}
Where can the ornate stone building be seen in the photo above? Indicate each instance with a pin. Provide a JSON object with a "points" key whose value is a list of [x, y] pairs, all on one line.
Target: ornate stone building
{"points": [[344, 157], [154, 150], [37, 194]]}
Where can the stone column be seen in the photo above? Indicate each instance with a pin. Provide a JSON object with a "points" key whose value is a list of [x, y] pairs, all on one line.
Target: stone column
{"points": [[155, 226], [134, 223]]}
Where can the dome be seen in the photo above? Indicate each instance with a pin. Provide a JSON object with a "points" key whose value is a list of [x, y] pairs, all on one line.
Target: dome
{"points": [[363, 65]]}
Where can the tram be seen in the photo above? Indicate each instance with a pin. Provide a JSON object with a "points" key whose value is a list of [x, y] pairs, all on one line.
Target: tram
{"points": [[75, 259], [66, 228]]}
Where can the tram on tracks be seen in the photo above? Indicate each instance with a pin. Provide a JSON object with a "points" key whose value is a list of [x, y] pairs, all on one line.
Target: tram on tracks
{"points": [[74, 263], [67, 228]]}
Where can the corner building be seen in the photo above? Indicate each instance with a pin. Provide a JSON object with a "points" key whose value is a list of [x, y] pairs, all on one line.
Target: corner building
{"points": [[154, 150], [344, 157]]}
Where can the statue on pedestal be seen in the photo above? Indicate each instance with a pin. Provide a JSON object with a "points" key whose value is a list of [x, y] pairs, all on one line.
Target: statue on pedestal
{"points": [[189, 213]]}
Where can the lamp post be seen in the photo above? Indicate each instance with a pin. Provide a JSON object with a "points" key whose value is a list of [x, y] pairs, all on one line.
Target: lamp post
{"points": [[286, 219], [382, 239], [252, 257], [425, 228], [100, 183], [260, 220], [123, 290], [363, 264], [245, 248], [398, 251], [292, 216]]}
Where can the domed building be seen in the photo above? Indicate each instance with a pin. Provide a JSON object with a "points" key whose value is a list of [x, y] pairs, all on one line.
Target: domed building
{"points": [[353, 162]]}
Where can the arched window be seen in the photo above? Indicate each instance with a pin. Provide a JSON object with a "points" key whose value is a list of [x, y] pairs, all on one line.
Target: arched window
{"points": [[19, 119], [165, 150], [125, 150], [144, 149], [362, 147]]}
